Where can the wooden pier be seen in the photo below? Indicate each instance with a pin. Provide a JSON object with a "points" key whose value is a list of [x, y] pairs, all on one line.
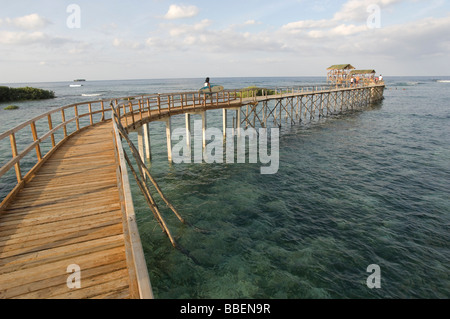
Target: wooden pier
{"points": [[73, 208]]}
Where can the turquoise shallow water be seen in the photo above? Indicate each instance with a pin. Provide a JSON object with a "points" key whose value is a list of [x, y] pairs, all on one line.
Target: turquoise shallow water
{"points": [[353, 190]]}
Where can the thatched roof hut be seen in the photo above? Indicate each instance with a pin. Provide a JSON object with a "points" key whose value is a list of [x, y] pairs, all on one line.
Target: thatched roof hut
{"points": [[339, 73], [366, 76], [362, 72], [341, 67]]}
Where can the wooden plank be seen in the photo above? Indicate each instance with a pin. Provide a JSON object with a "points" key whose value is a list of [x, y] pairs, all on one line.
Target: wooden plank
{"points": [[57, 216], [49, 229], [43, 257], [91, 292], [45, 288], [58, 268], [19, 246], [52, 198], [67, 201], [62, 217]]}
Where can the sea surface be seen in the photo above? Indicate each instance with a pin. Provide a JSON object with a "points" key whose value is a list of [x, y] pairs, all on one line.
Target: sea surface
{"points": [[364, 188]]}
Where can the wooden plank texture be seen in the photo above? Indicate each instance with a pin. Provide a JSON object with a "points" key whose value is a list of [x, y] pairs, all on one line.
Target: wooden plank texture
{"points": [[69, 213]]}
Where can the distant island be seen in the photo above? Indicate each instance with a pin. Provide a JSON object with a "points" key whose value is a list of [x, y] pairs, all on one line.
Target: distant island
{"points": [[8, 94], [79, 80]]}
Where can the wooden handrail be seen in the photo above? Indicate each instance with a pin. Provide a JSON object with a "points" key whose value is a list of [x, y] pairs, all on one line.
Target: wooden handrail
{"points": [[140, 279], [131, 106], [22, 176]]}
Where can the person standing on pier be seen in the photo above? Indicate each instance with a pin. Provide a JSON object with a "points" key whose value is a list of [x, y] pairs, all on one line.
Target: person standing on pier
{"points": [[207, 84]]}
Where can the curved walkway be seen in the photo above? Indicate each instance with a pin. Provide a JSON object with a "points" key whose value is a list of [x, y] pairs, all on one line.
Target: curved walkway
{"points": [[69, 214]]}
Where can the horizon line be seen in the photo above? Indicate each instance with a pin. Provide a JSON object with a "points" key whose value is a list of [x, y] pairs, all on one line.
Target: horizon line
{"points": [[194, 78]]}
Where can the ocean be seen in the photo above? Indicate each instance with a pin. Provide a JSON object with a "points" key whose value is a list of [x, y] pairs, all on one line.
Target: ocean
{"points": [[358, 189]]}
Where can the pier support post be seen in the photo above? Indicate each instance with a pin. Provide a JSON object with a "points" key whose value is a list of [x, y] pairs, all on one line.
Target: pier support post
{"points": [[204, 124], [148, 152], [238, 122], [188, 130], [224, 123], [169, 139], [140, 132]]}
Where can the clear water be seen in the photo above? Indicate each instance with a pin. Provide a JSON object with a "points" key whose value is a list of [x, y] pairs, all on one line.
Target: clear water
{"points": [[353, 190]]}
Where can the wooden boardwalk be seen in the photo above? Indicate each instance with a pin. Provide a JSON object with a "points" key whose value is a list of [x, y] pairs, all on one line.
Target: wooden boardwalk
{"points": [[74, 207], [70, 213]]}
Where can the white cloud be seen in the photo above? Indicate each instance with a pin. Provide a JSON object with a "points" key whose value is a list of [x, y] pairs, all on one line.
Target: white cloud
{"points": [[356, 10], [127, 44], [21, 38], [181, 11], [251, 22], [28, 22]]}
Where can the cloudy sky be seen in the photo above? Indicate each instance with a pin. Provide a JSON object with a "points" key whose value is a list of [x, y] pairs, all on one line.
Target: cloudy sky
{"points": [[49, 40]]}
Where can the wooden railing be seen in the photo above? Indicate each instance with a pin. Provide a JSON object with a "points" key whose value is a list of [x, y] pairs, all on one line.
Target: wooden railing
{"points": [[56, 123], [139, 108], [139, 277], [142, 176], [53, 127]]}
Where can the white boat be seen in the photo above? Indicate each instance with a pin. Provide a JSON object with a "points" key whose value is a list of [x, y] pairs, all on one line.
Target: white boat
{"points": [[75, 85], [444, 81]]}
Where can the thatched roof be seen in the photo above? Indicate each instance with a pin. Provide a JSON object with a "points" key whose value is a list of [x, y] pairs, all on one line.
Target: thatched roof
{"points": [[341, 67], [362, 72]]}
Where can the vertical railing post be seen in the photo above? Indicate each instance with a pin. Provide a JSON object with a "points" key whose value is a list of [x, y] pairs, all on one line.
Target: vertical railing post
{"points": [[77, 117], [12, 138], [140, 109], [63, 118], [91, 118], [36, 138], [50, 127], [132, 114], [103, 111]]}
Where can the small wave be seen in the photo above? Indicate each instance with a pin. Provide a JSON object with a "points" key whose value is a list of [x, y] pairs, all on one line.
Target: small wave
{"points": [[406, 83], [90, 95], [443, 81]]}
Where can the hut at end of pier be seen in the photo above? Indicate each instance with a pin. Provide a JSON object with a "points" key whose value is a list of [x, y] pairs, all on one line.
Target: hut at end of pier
{"points": [[339, 73], [365, 77]]}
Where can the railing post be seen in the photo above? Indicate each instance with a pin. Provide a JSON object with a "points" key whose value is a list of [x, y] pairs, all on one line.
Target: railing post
{"points": [[12, 138], [118, 110], [103, 111], [159, 104], [50, 127], [63, 118], [36, 138], [91, 119], [125, 114], [77, 118], [132, 114], [140, 109]]}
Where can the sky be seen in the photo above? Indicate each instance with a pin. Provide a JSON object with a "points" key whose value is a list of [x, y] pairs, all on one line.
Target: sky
{"points": [[59, 40]]}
